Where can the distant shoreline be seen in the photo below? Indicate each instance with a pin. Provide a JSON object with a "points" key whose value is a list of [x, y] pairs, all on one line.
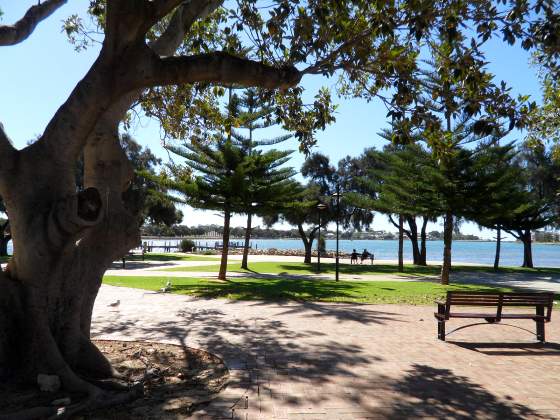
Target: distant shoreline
{"points": [[232, 238]]}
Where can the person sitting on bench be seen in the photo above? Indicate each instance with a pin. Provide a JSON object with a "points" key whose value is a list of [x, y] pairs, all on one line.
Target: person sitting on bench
{"points": [[365, 256], [354, 257]]}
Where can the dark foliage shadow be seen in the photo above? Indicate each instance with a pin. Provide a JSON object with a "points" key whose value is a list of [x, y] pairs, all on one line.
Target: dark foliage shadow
{"points": [[277, 289], [439, 393], [252, 347], [138, 265], [343, 312], [511, 349]]}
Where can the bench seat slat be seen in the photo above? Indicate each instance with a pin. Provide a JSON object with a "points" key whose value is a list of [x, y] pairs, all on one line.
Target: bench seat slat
{"points": [[470, 315]]}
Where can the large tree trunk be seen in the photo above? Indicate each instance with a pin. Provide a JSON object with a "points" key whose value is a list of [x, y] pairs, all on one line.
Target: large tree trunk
{"points": [[225, 245], [64, 239], [412, 235], [422, 257], [307, 243], [498, 246], [244, 262], [525, 237], [401, 240], [447, 240]]}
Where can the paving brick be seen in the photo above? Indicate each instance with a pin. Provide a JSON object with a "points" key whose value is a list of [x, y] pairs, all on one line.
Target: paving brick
{"points": [[347, 361]]}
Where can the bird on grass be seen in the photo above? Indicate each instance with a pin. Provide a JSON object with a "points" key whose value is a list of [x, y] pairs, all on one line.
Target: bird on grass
{"points": [[167, 287], [114, 304]]}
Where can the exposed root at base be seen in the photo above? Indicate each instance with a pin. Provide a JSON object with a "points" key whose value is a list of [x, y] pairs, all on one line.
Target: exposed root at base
{"points": [[96, 401]]}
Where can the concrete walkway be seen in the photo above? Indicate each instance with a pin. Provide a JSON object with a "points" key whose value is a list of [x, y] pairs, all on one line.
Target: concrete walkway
{"points": [[347, 361]]}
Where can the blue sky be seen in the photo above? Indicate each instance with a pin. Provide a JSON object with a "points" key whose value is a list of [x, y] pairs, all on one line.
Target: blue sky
{"points": [[38, 75]]}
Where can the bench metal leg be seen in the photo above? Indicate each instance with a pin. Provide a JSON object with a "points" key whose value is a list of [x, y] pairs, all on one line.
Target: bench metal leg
{"points": [[441, 330], [540, 324]]}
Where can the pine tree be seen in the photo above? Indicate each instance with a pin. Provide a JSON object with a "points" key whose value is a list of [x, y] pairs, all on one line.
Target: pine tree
{"points": [[459, 121], [497, 193], [227, 178], [252, 114], [406, 188]]}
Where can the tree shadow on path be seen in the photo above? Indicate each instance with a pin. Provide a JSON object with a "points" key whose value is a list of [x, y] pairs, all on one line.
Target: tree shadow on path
{"points": [[439, 393]]}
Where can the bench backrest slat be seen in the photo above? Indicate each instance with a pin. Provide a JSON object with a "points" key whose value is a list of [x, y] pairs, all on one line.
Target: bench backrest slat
{"points": [[499, 300]]}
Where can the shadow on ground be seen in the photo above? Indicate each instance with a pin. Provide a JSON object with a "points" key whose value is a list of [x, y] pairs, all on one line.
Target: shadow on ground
{"points": [[304, 366], [439, 393], [278, 289], [511, 349], [139, 265]]}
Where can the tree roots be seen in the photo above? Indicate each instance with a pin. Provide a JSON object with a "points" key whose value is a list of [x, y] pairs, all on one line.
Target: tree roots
{"points": [[96, 399]]}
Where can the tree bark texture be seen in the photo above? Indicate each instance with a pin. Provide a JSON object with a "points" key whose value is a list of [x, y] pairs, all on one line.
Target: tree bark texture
{"points": [[307, 243], [447, 241], [225, 246], [498, 246], [412, 235], [244, 262], [422, 260], [525, 236], [65, 239], [401, 243]]}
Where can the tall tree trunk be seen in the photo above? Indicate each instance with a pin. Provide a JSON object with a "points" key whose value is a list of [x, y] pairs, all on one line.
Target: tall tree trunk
{"points": [[246, 244], [225, 245], [447, 240], [412, 235], [422, 259], [498, 246], [527, 248], [307, 243], [401, 243], [65, 240]]}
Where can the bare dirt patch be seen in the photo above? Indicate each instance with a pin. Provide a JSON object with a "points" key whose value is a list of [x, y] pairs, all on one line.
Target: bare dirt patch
{"points": [[176, 381]]}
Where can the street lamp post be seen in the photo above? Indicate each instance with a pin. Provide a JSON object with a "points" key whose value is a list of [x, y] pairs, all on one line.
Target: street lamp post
{"points": [[320, 207], [337, 195]]}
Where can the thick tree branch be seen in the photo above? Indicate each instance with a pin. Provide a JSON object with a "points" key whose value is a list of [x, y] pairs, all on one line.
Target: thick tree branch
{"points": [[20, 31], [218, 67], [7, 156], [181, 22], [6, 147], [161, 8]]}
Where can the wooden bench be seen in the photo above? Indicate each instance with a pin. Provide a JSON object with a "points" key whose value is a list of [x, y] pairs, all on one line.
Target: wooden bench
{"points": [[540, 301]]}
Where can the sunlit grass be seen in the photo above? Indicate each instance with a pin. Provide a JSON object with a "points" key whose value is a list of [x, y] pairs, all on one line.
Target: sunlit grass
{"points": [[404, 292]]}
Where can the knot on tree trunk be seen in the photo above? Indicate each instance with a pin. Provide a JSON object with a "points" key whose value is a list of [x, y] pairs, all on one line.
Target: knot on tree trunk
{"points": [[73, 214], [89, 204]]}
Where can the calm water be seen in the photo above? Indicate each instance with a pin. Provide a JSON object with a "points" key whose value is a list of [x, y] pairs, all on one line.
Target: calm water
{"points": [[544, 255]]}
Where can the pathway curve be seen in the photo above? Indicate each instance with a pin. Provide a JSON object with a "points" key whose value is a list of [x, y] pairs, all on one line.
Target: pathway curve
{"points": [[346, 361]]}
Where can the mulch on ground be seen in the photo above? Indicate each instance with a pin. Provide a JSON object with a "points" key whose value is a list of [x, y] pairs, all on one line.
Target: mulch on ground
{"points": [[176, 380]]}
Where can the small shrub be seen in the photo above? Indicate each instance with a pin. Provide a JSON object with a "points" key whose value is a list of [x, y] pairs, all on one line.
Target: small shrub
{"points": [[187, 245]]}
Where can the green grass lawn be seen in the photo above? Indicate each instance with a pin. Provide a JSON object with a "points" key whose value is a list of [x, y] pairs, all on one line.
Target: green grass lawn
{"points": [[329, 268], [302, 268], [406, 292]]}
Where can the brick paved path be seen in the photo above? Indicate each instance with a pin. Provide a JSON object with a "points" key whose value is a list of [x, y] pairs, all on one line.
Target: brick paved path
{"points": [[347, 361]]}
